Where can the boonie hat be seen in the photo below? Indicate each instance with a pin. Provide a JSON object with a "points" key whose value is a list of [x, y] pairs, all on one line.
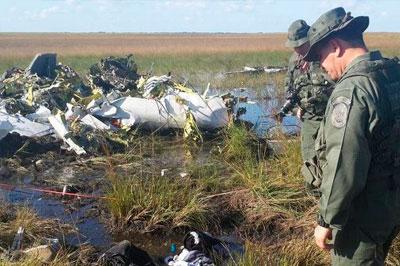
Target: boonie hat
{"points": [[297, 34], [334, 20]]}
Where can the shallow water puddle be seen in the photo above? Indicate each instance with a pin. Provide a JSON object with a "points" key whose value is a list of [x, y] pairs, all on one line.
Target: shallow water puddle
{"points": [[90, 228], [260, 107]]}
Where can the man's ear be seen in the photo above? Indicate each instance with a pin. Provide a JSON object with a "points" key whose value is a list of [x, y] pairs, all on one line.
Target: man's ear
{"points": [[337, 47]]}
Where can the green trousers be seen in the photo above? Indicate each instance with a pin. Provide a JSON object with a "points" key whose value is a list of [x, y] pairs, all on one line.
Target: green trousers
{"points": [[309, 170], [356, 246]]}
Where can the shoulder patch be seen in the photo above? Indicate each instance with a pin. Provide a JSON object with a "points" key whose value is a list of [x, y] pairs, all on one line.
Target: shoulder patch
{"points": [[340, 111]]}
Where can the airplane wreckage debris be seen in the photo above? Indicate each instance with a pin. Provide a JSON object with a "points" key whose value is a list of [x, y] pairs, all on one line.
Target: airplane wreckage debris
{"points": [[49, 103], [258, 70]]}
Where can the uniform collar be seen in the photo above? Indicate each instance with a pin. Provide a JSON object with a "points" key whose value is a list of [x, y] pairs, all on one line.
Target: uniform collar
{"points": [[370, 56]]}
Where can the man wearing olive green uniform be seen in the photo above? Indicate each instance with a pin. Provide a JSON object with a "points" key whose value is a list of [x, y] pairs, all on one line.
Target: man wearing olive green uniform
{"points": [[358, 143], [315, 88]]}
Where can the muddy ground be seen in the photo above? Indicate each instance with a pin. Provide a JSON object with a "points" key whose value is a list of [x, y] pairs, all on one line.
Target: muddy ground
{"points": [[37, 181]]}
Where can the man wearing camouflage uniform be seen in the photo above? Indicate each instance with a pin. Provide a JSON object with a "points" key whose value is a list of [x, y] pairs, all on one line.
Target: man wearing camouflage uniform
{"points": [[314, 87], [358, 143]]}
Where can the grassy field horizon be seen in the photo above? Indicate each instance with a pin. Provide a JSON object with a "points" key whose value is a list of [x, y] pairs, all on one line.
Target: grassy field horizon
{"points": [[196, 57], [67, 44]]}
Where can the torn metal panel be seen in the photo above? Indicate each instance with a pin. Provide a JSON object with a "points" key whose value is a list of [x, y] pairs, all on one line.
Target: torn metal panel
{"points": [[156, 87], [42, 83], [191, 131], [150, 113], [268, 70], [118, 73], [62, 132], [209, 113], [170, 111], [24, 126], [14, 106], [159, 86], [43, 65], [74, 112], [105, 110], [94, 123], [41, 115]]}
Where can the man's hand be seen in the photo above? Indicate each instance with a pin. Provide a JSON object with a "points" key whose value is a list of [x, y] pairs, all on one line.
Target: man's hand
{"points": [[279, 116], [322, 235], [299, 113]]}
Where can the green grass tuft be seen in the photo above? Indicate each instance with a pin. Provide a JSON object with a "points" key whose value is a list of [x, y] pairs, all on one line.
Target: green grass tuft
{"points": [[154, 202]]}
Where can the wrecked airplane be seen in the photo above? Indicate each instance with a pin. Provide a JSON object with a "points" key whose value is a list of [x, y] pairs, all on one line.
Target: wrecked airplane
{"points": [[50, 99]]}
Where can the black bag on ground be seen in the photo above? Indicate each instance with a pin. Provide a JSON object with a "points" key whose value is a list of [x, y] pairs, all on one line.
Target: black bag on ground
{"points": [[126, 254]]}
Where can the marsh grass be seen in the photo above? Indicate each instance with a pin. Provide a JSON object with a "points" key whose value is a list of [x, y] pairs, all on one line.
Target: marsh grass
{"points": [[27, 44], [254, 254], [148, 203], [287, 163], [62, 258], [240, 145], [210, 177], [34, 261], [274, 202], [195, 69], [141, 198], [276, 209], [297, 252], [393, 257], [34, 227]]}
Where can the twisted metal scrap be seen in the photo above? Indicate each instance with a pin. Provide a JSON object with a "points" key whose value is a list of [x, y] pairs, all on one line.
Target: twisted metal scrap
{"points": [[21, 90], [118, 73], [159, 86]]}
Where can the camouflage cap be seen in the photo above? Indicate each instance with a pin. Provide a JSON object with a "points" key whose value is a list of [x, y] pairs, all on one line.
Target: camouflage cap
{"points": [[335, 20], [297, 34]]}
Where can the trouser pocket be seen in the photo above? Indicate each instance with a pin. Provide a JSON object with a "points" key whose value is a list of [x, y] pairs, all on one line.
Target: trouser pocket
{"points": [[312, 174]]}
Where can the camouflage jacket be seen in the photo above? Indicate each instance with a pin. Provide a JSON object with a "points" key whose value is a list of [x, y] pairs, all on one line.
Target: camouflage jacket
{"points": [[316, 86], [358, 146]]}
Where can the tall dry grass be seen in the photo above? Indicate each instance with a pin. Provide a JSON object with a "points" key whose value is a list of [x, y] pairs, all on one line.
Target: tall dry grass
{"points": [[198, 59], [27, 44], [36, 231], [278, 215], [35, 227], [296, 252], [19, 45]]}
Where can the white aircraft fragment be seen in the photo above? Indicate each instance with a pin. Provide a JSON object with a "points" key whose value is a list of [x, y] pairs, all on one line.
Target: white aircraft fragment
{"points": [[62, 132], [170, 111], [24, 126]]}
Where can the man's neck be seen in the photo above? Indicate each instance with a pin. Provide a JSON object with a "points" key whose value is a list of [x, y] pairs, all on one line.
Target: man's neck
{"points": [[351, 54]]}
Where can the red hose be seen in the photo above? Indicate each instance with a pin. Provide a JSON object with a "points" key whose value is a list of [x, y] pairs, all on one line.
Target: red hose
{"points": [[49, 191]]}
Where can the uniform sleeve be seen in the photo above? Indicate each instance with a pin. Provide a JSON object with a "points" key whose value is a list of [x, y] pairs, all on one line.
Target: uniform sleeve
{"points": [[347, 154], [288, 81], [289, 78]]}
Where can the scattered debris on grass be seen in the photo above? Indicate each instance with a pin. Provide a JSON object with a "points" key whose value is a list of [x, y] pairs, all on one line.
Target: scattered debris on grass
{"points": [[258, 70], [49, 99]]}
